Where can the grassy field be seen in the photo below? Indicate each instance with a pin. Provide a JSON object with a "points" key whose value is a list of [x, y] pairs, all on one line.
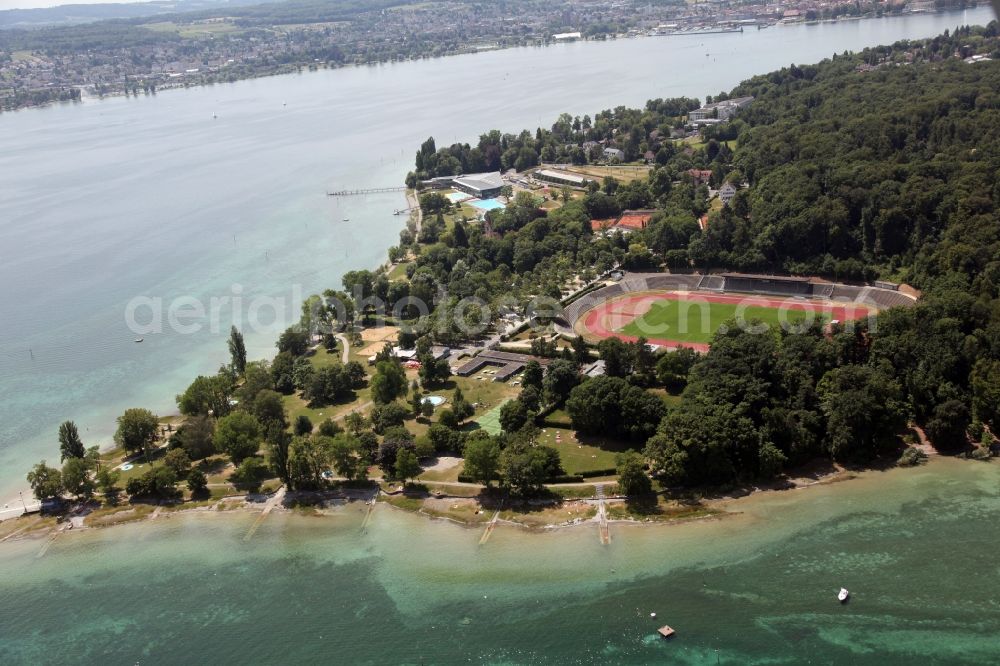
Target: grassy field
{"points": [[581, 454], [194, 30], [692, 322], [624, 173]]}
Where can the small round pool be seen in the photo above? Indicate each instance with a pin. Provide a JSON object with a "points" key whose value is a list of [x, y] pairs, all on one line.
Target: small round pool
{"points": [[436, 400]]}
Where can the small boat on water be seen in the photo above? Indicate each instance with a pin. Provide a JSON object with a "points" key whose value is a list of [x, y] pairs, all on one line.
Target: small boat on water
{"points": [[843, 595], [346, 219], [138, 339]]}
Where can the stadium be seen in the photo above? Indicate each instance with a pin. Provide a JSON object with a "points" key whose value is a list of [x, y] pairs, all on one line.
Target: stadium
{"points": [[687, 310]]}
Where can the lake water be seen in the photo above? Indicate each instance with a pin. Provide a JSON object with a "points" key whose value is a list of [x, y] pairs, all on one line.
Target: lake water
{"points": [[917, 549]]}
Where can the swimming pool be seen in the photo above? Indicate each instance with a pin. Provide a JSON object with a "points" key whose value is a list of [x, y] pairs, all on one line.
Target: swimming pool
{"points": [[486, 204], [436, 400], [455, 197]]}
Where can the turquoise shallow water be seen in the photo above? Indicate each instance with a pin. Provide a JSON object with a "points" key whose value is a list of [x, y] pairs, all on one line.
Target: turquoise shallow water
{"points": [[916, 547]]}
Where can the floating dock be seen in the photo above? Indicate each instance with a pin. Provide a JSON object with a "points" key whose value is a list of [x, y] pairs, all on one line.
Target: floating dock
{"points": [[666, 631]]}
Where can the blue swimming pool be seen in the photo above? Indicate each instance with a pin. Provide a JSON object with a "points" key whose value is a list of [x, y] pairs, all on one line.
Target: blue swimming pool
{"points": [[487, 204], [455, 197]]}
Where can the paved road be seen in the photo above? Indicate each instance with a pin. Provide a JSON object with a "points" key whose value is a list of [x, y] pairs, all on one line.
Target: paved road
{"points": [[347, 347]]}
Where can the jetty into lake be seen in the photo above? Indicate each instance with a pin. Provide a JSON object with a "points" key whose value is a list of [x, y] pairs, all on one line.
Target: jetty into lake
{"points": [[368, 190]]}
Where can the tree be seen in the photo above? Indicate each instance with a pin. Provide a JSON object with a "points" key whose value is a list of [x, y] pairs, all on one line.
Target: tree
{"points": [[416, 400], [157, 482], [76, 478], [238, 436], [947, 427], [530, 398], [195, 437], [532, 375], [294, 340], [303, 426], [581, 352], [524, 468], [283, 372], [70, 444], [107, 482], [328, 386], [482, 460], [349, 458], [560, 378], [388, 383], [460, 407], [772, 460], [863, 408], [632, 478], [269, 408], [329, 428], [611, 406], [237, 351], [513, 415], [207, 395], [250, 473], [427, 408], [433, 372], [355, 423], [137, 430], [256, 378], [197, 483], [673, 367], [45, 481], [388, 416], [985, 380], [178, 460], [407, 466], [279, 445], [616, 356]]}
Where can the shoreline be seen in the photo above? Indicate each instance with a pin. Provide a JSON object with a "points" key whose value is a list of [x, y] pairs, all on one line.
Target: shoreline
{"points": [[328, 504], [87, 95]]}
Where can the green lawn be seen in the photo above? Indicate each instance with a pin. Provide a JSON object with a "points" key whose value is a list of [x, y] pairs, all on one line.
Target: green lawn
{"points": [[685, 321], [582, 454]]}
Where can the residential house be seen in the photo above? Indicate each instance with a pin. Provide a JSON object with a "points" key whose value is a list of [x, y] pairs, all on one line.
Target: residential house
{"points": [[726, 193], [612, 154]]}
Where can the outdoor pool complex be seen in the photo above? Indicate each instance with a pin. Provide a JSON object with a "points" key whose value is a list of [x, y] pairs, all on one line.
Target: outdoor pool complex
{"points": [[455, 197], [487, 204]]}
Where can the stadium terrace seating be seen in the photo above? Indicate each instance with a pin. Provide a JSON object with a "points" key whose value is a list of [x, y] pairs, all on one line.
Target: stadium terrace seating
{"points": [[731, 282]]}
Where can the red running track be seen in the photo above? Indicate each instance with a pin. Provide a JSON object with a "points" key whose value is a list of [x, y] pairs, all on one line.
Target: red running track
{"points": [[628, 308]]}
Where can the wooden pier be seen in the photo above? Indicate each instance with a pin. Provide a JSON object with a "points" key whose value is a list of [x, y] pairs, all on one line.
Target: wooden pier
{"points": [[492, 525], [602, 515], [369, 190]]}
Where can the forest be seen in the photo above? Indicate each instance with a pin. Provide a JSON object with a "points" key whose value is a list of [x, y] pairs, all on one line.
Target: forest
{"points": [[883, 164]]}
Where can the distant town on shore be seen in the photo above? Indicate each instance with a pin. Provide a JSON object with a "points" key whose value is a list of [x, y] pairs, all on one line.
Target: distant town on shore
{"points": [[66, 53]]}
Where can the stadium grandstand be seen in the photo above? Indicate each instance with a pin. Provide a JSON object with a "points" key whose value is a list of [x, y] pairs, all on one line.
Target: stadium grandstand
{"points": [[877, 297]]}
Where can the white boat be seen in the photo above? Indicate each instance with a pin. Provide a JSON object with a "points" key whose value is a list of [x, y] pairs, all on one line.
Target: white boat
{"points": [[843, 595], [138, 339], [347, 219]]}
